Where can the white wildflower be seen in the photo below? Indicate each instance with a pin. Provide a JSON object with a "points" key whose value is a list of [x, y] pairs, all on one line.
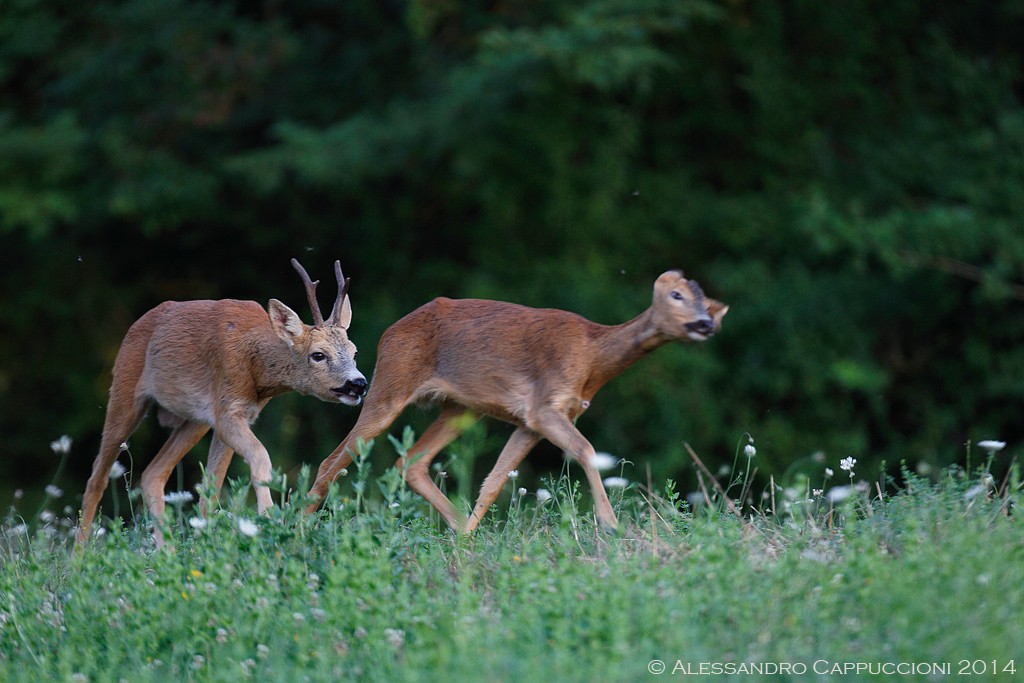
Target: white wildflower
{"points": [[197, 522], [838, 494], [513, 475], [62, 445], [543, 495], [262, 651], [54, 491], [395, 637], [604, 461], [46, 516], [117, 470], [846, 464], [124, 446], [521, 492], [247, 527], [616, 482], [986, 484], [828, 472], [178, 497], [247, 666], [975, 491], [749, 450], [991, 445]]}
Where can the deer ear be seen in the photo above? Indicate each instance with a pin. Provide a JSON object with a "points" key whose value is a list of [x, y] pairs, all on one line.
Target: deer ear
{"points": [[343, 318], [286, 322], [717, 311], [666, 281]]}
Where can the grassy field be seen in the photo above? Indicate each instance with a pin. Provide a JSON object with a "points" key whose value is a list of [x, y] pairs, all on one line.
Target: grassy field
{"points": [[923, 582]]}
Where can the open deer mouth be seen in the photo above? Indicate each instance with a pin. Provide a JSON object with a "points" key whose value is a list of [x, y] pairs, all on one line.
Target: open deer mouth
{"points": [[353, 389], [700, 330]]}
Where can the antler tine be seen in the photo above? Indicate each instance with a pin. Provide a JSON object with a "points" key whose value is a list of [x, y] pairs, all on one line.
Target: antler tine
{"points": [[318, 317], [343, 283]]}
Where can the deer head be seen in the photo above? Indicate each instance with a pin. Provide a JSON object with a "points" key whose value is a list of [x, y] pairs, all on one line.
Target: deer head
{"points": [[682, 312], [323, 355]]}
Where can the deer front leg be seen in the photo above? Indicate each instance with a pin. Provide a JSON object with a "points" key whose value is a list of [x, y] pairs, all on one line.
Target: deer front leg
{"points": [[376, 416], [415, 466], [557, 429], [516, 448], [236, 434]]}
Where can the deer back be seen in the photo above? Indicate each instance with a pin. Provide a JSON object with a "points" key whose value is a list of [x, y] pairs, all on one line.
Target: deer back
{"points": [[205, 356]]}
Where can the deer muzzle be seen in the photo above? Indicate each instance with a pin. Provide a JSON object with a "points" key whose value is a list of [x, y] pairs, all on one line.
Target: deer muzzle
{"points": [[353, 389], [700, 329]]}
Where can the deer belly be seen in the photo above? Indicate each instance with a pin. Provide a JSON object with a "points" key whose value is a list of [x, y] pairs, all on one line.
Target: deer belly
{"points": [[186, 395]]}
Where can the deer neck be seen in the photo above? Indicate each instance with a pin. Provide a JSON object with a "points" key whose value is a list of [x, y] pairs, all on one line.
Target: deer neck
{"points": [[273, 366], [617, 347]]}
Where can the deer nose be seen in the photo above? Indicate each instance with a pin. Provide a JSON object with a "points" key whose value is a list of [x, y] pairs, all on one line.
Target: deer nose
{"points": [[356, 387], [704, 326]]}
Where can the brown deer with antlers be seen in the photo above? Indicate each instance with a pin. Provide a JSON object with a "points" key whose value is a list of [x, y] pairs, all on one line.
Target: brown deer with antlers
{"points": [[537, 369], [216, 364]]}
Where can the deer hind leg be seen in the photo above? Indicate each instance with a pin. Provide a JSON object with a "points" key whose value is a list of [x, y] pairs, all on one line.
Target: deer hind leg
{"points": [[124, 413], [557, 429], [216, 470], [415, 465], [154, 478], [375, 417], [516, 448]]}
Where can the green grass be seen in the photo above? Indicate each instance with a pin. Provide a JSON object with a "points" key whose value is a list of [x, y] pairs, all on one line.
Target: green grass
{"points": [[374, 590]]}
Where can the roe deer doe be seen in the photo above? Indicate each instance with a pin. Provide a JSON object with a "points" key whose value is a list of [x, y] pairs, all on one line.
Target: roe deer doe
{"points": [[217, 364], [537, 369]]}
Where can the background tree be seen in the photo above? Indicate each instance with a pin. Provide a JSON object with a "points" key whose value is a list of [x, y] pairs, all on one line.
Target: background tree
{"points": [[847, 176]]}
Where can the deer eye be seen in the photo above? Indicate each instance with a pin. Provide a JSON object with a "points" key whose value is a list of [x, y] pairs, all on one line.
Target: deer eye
{"points": [[318, 357], [677, 296]]}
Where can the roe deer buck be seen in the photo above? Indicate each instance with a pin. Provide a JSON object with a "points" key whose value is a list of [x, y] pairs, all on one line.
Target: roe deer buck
{"points": [[537, 369], [217, 364]]}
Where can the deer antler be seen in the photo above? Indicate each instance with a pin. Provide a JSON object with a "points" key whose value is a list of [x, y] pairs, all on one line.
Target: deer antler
{"points": [[343, 283], [318, 318]]}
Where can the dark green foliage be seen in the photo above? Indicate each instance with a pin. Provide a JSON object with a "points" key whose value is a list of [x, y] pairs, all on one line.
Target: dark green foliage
{"points": [[847, 176]]}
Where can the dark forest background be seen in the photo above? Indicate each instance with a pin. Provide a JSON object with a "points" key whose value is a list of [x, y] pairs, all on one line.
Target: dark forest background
{"points": [[849, 177]]}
